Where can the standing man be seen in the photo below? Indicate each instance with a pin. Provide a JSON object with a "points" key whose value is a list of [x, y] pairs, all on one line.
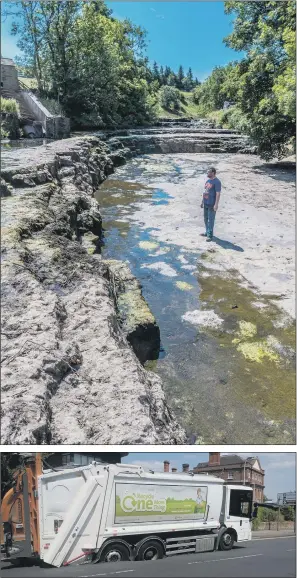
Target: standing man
{"points": [[210, 201]]}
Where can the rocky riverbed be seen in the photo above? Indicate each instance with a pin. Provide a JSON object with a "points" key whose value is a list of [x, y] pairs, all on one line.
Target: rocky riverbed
{"points": [[69, 374], [226, 308], [215, 330]]}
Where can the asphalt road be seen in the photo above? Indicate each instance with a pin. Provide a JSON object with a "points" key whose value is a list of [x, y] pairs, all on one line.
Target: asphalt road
{"points": [[271, 558]]}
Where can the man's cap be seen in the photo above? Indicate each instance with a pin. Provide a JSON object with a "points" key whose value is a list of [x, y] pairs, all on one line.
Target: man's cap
{"points": [[211, 169]]}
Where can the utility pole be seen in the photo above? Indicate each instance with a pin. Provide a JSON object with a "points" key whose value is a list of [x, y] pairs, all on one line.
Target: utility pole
{"points": [[278, 515]]}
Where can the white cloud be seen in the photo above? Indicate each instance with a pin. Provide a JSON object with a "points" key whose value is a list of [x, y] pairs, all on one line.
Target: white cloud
{"points": [[157, 14], [289, 463]]}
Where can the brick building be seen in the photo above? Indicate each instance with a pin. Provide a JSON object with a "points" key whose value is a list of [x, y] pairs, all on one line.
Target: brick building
{"points": [[235, 470]]}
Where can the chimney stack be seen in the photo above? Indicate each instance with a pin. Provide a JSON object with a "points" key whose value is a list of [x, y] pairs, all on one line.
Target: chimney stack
{"points": [[214, 459], [174, 470], [185, 468], [166, 466]]}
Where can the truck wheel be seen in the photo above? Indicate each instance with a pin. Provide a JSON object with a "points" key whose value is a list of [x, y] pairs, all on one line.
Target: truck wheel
{"points": [[115, 552], [150, 550], [226, 541]]}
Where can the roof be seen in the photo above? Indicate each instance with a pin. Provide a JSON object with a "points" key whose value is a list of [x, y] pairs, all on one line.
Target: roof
{"points": [[7, 62], [229, 460]]}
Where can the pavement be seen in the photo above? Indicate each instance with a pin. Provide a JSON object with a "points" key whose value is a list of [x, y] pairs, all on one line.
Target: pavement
{"points": [[273, 557]]}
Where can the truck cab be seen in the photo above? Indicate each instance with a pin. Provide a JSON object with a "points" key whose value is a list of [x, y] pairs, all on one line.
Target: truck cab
{"points": [[236, 515]]}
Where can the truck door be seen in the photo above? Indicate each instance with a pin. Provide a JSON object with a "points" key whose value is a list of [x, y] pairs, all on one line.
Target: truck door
{"points": [[239, 512]]}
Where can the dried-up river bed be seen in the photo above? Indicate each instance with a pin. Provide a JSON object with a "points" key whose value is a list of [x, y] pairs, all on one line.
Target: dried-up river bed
{"points": [[225, 309]]}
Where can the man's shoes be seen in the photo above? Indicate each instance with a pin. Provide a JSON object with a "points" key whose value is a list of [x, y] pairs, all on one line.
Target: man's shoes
{"points": [[203, 234], [209, 239]]}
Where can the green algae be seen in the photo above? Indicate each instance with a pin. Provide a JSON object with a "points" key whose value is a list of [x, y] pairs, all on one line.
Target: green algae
{"points": [[183, 286], [260, 375], [135, 310], [257, 351], [148, 245], [247, 329]]}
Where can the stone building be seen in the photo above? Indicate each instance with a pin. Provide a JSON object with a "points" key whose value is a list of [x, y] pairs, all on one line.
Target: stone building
{"points": [[9, 75], [235, 470]]}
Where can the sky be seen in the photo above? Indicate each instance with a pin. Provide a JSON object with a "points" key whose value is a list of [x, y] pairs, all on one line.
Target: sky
{"points": [[280, 468], [187, 33]]}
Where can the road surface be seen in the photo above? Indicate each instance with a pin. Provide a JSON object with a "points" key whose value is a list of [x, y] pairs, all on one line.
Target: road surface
{"points": [[268, 557]]}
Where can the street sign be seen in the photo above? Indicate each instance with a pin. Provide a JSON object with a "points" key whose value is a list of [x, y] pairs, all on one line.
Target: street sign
{"points": [[287, 499]]}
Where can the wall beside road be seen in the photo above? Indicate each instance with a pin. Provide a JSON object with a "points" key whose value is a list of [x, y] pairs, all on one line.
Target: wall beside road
{"points": [[276, 526]]}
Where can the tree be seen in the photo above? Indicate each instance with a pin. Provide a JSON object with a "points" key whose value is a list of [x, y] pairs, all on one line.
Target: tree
{"points": [[266, 90], [90, 61], [170, 98], [172, 80], [27, 24], [156, 72], [211, 95], [289, 513], [180, 78], [188, 82]]}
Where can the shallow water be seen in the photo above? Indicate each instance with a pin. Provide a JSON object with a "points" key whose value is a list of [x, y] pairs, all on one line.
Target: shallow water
{"points": [[226, 385]]}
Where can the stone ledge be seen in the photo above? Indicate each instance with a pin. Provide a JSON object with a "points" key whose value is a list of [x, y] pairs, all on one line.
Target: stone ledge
{"points": [[136, 319]]}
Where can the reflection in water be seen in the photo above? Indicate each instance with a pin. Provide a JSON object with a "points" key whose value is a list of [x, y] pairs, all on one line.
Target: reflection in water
{"points": [[219, 394]]}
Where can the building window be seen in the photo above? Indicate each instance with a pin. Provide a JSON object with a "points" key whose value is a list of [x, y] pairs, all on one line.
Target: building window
{"points": [[67, 459], [230, 475]]}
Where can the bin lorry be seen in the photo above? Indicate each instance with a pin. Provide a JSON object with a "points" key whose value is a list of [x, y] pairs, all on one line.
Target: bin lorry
{"points": [[106, 512]]}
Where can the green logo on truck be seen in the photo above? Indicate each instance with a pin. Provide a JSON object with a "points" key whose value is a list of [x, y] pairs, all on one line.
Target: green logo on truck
{"points": [[178, 502], [142, 503]]}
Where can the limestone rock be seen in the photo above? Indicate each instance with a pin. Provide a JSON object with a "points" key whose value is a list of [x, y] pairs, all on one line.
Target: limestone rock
{"points": [[69, 374], [138, 323]]}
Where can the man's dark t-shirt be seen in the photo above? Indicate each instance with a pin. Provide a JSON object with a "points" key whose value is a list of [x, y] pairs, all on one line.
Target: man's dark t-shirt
{"points": [[212, 186]]}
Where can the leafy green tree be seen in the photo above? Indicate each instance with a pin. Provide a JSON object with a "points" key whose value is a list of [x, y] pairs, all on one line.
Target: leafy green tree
{"points": [[211, 95], [89, 61], [289, 513], [170, 98], [266, 85]]}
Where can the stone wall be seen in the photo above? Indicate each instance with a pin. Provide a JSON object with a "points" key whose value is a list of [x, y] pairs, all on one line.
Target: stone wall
{"points": [[9, 76], [54, 126]]}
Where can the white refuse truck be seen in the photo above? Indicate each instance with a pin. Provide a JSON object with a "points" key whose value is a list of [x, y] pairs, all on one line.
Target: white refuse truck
{"points": [[104, 512]]}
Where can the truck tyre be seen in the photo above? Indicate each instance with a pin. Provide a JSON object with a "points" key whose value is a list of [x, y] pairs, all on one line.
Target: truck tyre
{"points": [[150, 550], [226, 541], [115, 552]]}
